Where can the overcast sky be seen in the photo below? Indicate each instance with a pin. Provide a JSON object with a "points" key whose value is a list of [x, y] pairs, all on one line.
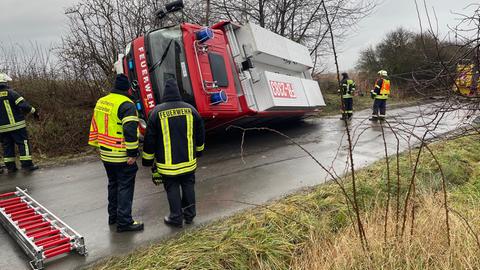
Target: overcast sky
{"points": [[391, 14], [43, 22]]}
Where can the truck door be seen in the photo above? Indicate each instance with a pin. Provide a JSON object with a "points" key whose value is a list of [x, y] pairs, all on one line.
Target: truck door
{"points": [[211, 74]]}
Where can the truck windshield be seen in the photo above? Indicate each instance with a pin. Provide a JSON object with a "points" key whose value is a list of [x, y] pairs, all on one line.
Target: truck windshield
{"points": [[167, 57]]}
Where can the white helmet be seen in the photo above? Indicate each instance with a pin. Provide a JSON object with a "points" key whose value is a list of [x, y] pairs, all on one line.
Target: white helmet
{"points": [[4, 78], [382, 73]]}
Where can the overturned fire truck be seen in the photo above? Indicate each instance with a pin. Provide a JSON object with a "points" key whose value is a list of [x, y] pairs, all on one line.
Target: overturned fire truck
{"points": [[232, 74]]}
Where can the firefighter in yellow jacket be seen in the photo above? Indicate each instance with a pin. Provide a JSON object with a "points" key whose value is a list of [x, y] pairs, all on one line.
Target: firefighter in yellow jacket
{"points": [[13, 128], [380, 95], [174, 139], [114, 131], [347, 91]]}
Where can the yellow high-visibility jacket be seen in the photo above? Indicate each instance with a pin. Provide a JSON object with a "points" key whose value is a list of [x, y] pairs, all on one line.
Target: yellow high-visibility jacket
{"points": [[114, 128], [382, 89]]}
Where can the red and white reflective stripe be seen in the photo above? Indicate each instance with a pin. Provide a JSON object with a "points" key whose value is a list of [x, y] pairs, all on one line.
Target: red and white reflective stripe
{"points": [[119, 146], [105, 118], [106, 137], [94, 124]]}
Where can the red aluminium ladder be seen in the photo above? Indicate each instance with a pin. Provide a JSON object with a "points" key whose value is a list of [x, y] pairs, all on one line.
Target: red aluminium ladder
{"points": [[39, 233]]}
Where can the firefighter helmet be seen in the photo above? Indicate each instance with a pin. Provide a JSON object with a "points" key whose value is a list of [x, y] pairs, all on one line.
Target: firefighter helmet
{"points": [[4, 78], [382, 73]]}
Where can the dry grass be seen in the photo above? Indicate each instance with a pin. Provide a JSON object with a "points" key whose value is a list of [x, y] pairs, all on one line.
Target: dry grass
{"points": [[427, 248], [65, 107]]}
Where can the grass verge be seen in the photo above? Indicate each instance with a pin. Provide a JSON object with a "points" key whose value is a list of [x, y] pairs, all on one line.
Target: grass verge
{"points": [[314, 229]]}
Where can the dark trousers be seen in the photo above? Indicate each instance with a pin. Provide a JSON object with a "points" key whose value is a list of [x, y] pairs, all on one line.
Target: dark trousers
{"points": [[379, 105], [121, 185], [181, 197], [17, 137], [348, 106]]}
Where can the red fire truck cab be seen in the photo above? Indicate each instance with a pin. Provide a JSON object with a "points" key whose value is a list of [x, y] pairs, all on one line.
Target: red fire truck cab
{"points": [[231, 73]]}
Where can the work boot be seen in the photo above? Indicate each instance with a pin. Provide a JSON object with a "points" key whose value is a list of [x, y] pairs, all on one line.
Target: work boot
{"points": [[170, 222], [344, 117], [350, 115], [30, 168], [374, 118], [11, 168], [134, 227], [188, 221]]}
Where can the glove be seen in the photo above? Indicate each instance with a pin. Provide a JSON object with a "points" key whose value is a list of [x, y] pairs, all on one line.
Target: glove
{"points": [[36, 115], [372, 94], [156, 177]]}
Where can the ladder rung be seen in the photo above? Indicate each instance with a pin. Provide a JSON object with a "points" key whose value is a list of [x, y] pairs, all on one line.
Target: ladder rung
{"points": [[30, 218], [29, 223], [58, 250], [39, 231], [36, 226], [12, 208], [29, 210], [8, 194], [56, 243], [43, 241], [24, 215], [43, 234], [9, 201]]}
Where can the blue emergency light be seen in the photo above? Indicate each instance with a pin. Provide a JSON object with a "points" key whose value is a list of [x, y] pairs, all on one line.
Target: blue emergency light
{"points": [[130, 65], [218, 97], [139, 106], [204, 34]]}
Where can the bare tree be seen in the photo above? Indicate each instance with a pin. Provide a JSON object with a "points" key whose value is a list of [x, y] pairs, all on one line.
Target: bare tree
{"points": [[302, 21], [99, 30]]}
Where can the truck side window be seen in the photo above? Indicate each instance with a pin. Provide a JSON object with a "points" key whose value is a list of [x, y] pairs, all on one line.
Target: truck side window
{"points": [[218, 68]]}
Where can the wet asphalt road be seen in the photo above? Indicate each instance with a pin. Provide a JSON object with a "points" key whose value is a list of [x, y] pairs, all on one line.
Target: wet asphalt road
{"points": [[272, 167]]}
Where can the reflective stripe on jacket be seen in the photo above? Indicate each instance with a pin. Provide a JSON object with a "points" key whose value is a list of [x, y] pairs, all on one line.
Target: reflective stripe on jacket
{"points": [[107, 129], [348, 87], [13, 108]]}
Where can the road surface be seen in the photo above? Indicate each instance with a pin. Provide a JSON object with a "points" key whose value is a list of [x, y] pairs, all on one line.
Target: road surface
{"points": [[272, 167]]}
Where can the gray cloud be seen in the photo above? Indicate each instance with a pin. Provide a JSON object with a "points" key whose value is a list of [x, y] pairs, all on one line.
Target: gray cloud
{"points": [[40, 21]]}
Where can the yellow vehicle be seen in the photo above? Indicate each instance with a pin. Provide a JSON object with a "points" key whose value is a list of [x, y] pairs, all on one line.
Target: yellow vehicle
{"points": [[466, 82]]}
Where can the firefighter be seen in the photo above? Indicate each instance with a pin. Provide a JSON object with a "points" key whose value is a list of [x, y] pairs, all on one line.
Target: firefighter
{"points": [[114, 131], [348, 88], [13, 128], [174, 139], [380, 95]]}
